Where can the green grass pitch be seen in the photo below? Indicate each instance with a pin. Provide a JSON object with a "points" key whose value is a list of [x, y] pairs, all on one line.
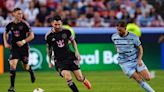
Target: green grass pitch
{"points": [[102, 81]]}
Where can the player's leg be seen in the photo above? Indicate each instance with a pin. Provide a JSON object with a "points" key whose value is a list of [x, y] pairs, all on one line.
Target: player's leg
{"points": [[67, 75], [13, 60], [143, 71], [131, 73], [145, 74], [142, 83], [81, 78], [25, 59], [75, 67], [13, 64], [28, 68]]}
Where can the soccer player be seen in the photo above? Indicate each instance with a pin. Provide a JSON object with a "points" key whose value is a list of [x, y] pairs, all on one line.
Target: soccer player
{"points": [[130, 53], [19, 49], [65, 59]]}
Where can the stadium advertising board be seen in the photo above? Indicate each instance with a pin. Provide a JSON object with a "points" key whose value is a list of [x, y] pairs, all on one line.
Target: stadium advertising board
{"points": [[95, 56], [1, 60]]}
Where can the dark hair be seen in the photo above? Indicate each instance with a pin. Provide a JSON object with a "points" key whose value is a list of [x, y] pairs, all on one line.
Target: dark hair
{"points": [[121, 23], [132, 20], [56, 17], [16, 9], [65, 21]]}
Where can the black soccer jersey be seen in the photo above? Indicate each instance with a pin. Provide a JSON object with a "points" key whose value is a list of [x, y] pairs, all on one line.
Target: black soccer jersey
{"points": [[18, 31], [58, 41]]}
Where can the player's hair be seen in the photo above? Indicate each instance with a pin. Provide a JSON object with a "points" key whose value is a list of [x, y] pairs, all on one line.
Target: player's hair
{"points": [[131, 20], [57, 18], [16, 9], [121, 23]]}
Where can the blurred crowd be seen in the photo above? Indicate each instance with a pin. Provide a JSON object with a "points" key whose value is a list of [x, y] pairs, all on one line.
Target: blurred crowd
{"points": [[86, 13]]}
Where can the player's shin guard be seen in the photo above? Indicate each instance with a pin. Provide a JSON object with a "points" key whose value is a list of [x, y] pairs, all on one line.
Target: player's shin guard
{"points": [[72, 85], [146, 86], [12, 77], [31, 75]]}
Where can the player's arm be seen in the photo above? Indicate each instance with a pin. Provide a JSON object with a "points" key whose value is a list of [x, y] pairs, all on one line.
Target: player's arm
{"points": [[140, 49], [140, 54], [116, 49], [29, 32], [30, 36], [76, 49], [49, 51], [74, 45], [5, 37]]}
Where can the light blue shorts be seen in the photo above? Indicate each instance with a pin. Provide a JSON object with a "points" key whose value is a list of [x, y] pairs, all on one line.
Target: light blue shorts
{"points": [[130, 67]]}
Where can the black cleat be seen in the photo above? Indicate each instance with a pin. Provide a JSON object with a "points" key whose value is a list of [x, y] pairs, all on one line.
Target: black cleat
{"points": [[11, 89], [33, 78]]}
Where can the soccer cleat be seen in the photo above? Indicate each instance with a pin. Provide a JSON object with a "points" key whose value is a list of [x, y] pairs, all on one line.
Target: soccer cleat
{"points": [[11, 89], [87, 84], [32, 77]]}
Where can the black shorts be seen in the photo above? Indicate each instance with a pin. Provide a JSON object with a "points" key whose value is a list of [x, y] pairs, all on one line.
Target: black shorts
{"points": [[68, 63], [20, 53]]}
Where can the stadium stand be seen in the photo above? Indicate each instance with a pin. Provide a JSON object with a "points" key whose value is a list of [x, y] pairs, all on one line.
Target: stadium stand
{"points": [[86, 13]]}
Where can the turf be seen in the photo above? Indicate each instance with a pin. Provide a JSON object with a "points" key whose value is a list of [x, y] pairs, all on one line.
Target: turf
{"points": [[102, 81]]}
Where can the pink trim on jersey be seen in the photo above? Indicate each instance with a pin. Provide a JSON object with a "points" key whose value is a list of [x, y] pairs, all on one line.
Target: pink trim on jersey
{"points": [[71, 38], [26, 23], [47, 34], [9, 22]]}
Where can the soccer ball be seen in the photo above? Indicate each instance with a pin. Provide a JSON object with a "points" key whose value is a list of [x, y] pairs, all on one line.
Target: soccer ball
{"points": [[38, 90]]}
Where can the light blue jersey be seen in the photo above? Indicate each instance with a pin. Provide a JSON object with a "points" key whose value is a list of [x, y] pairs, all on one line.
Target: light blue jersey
{"points": [[127, 47]]}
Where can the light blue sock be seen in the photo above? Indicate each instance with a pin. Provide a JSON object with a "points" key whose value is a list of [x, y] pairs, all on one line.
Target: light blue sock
{"points": [[146, 86]]}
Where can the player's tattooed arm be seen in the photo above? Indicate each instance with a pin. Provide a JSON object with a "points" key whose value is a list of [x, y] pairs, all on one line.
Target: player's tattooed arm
{"points": [[140, 54], [49, 52], [76, 50], [30, 36], [5, 39]]}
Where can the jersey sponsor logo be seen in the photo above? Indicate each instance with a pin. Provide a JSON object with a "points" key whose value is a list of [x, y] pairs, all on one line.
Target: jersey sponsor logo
{"points": [[35, 59], [124, 42], [60, 43], [20, 27], [16, 33]]}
